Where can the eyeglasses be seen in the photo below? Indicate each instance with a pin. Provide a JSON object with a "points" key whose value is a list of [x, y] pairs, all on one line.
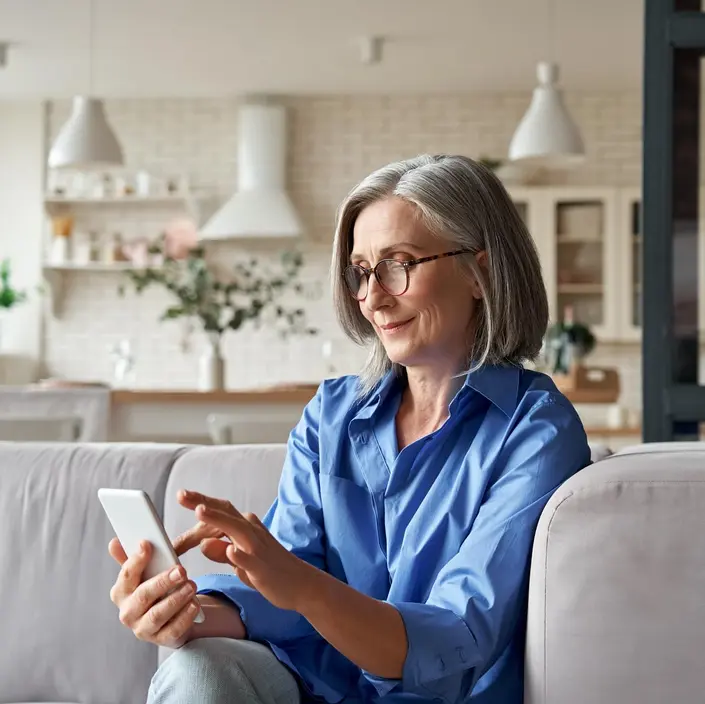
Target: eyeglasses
{"points": [[392, 275]]}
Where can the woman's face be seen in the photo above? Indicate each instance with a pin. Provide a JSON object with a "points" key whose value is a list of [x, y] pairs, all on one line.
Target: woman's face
{"points": [[430, 324]]}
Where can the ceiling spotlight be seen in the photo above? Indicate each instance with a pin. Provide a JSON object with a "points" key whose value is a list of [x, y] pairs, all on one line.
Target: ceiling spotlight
{"points": [[371, 49]]}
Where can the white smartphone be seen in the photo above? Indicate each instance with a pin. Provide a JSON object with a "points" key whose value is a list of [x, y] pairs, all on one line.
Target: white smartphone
{"points": [[134, 518]]}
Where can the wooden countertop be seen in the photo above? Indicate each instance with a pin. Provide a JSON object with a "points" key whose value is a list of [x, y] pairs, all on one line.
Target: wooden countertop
{"points": [[607, 432], [300, 394]]}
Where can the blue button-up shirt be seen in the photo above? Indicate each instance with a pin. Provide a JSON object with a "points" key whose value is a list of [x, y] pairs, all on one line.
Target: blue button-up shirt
{"points": [[442, 531]]}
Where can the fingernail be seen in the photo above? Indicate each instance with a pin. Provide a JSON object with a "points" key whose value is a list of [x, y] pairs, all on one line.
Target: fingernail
{"points": [[175, 575]]}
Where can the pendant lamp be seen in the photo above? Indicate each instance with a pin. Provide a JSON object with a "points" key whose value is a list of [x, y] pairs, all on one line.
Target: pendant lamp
{"points": [[86, 141], [547, 134]]}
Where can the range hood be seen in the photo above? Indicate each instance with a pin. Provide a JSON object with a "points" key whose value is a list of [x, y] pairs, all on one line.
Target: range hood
{"points": [[261, 206]]}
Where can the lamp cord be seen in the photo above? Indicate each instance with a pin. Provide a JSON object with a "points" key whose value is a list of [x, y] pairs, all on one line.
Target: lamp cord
{"points": [[91, 29], [551, 11]]}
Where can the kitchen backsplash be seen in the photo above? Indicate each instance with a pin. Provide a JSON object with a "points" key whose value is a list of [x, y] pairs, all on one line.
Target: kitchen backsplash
{"points": [[333, 142]]}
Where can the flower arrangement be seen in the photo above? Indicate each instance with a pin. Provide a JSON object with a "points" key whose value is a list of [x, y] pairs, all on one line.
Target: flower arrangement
{"points": [[9, 296], [250, 293]]}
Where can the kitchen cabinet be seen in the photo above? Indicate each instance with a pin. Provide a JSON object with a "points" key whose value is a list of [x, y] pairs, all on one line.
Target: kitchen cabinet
{"points": [[589, 243]]}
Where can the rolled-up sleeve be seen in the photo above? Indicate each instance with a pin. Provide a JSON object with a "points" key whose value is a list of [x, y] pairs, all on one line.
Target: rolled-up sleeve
{"points": [[295, 520], [478, 598]]}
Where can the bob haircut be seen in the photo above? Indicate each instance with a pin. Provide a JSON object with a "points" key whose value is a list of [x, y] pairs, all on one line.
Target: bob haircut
{"points": [[466, 206]]}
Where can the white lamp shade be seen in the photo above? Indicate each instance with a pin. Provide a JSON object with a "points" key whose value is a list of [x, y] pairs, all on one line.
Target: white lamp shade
{"points": [[86, 141], [547, 135]]}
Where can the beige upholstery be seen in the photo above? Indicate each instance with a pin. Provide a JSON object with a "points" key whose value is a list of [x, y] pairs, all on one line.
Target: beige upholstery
{"points": [[617, 590], [616, 604]]}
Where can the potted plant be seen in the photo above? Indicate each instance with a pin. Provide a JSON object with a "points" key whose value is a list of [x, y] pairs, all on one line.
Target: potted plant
{"points": [[9, 296], [568, 343], [250, 293]]}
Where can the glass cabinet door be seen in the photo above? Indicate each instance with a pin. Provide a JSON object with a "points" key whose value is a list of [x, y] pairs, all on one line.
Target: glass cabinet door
{"points": [[580, 233]]}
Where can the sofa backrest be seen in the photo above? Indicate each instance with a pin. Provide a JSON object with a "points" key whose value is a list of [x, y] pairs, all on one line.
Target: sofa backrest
{"points": [[62, 640], [617, 586], [246, 475]]}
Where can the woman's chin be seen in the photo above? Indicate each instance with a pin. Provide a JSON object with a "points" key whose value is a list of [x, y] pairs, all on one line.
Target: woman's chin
{"points": [[399, 354]]}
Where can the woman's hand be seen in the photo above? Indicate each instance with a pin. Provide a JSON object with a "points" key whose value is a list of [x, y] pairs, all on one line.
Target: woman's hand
{"points": [[200, 534], [259, 560], [145, 607]]}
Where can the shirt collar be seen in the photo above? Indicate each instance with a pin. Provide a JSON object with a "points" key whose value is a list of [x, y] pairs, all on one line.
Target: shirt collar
{"points": [[386, 385], [498, 384]]}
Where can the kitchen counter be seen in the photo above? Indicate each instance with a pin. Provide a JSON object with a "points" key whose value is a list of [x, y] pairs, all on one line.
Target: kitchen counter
{"points": [[181, 415], [274, 394], [261, 415]]}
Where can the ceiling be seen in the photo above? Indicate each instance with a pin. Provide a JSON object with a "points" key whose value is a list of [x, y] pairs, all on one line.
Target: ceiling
{"points": [[164, 48]]}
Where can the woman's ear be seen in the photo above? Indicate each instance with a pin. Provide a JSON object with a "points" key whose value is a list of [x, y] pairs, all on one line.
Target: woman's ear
{"points": [[481, 260]]}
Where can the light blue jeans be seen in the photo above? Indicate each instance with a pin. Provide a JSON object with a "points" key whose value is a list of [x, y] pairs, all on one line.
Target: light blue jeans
{"points": [[223, 671]]}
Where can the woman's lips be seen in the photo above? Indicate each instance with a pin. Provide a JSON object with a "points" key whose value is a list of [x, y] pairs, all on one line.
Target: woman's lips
{"points": [[391, 328]]}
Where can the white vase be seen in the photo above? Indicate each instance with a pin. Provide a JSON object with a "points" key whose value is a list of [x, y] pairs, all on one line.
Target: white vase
{"points": [[211, 365]]}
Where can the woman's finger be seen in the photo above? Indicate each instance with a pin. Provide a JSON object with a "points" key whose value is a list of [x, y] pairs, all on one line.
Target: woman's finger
{"points": [[131, 573], [215, 550], [164, 610], [191, 499], [254, 520], [147, 594], [235, 527], [173, 634], [117, 552], [193, 537]]}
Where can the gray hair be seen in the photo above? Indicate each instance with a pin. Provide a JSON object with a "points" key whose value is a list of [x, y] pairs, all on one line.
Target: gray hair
{"points": [[465, 204]]}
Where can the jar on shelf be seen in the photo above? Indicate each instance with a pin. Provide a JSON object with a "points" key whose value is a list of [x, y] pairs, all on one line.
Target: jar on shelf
{"points": [[124, 185], [93, 246], [81, 253], [62, 227], [114, 250], [103, 186], [143, 183]]}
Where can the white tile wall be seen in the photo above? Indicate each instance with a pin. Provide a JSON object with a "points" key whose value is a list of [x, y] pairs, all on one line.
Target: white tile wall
{"points": [[334, 141]]}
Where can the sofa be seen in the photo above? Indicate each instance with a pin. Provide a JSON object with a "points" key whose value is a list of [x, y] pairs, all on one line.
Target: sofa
{"points": [[616, 589]]}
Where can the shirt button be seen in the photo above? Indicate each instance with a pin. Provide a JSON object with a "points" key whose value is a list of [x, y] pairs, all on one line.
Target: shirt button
{"points": [[362, 438]]}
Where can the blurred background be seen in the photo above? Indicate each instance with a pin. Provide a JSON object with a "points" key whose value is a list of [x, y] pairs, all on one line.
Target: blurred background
{"points": [[153, 155]]}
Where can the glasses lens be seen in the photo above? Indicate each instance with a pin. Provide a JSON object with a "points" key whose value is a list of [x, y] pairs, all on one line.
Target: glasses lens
{"points": [[392, 276], [356, 281]]}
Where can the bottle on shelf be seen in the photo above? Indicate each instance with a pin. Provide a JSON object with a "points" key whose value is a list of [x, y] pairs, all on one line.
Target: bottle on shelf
{"points": [[62, 227]]}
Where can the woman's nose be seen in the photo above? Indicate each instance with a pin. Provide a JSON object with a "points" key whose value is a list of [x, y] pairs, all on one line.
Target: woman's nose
{"points": [[376, 297]]}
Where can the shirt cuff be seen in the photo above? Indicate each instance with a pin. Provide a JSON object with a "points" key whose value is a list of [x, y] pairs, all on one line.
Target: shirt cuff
{"points": [[440, 646], [383, 685], [262, 620]]}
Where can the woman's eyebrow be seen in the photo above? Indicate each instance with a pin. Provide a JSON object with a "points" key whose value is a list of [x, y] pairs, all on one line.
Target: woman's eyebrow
{"points": [[390, 248]]}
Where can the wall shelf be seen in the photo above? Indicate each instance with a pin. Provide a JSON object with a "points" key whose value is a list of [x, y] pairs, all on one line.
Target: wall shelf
{"points": [[56, 278], [94, 266], [191, 202]]}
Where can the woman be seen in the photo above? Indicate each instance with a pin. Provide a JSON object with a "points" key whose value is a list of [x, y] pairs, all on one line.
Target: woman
{"points": [[393, 565]]}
